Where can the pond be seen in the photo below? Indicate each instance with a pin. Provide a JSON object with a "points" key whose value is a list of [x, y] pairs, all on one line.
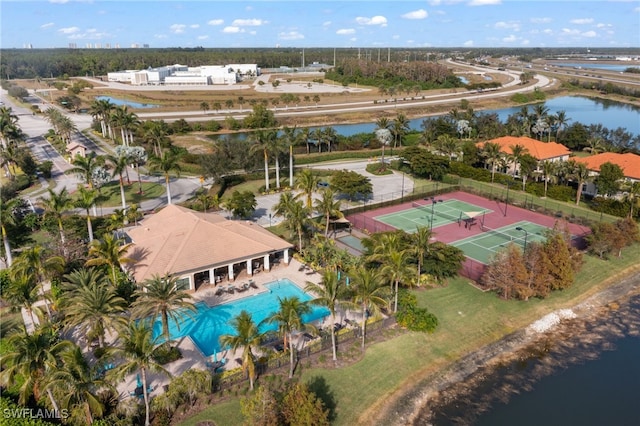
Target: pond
{"points": [[130, 104]]}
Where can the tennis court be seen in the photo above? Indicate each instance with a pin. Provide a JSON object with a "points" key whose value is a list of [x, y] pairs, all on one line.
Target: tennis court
{"points": [[481, 247], [433, 213]]}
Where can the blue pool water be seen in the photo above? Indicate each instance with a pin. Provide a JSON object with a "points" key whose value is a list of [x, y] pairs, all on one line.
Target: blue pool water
{"points": [[209, 323]]}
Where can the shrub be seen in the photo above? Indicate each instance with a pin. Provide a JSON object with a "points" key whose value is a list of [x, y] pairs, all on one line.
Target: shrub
{"points": [[165, 354], [378, 169], [412, 317]]}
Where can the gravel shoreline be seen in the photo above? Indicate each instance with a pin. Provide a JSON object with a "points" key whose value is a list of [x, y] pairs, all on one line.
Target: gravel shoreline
{"points": [[408, 406]]}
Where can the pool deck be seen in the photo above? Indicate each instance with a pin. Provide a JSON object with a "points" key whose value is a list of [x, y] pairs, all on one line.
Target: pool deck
{"points": [[192, 357]]}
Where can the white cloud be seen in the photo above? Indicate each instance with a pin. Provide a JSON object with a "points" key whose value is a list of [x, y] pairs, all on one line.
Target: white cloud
{"points": [[291, 35], [395, 37], [540, 20], [47, 25], [160, 36], [326, 23], [637, 9], [353, 39], [375, 20], [69, 30], [582, 21], [511, 25], [177, 28], [346, 31], [248, 22], [468, 43], [416, 14], [509, 39], [567, 31], [194, 26], [232, 30], [434, 2], [59, 1], [548, 31], [589, 34], [215, 22], [253, 32], [601, 25], [203, 37], [525, 42], [484, 2]]}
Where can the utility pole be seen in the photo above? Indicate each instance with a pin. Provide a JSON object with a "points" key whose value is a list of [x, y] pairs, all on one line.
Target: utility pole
{"points": [[388, 54]]}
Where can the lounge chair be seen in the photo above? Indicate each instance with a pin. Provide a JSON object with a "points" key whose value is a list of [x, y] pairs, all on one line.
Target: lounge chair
{"points": [[231, 289], [253, 284], [241, 288], [307, 337], [219, 291]]}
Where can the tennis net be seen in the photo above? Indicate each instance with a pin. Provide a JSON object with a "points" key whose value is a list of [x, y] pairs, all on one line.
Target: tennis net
{"points": [[518, 239], [429, 209]]}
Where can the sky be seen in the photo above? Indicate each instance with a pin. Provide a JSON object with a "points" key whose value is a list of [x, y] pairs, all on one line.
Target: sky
{"points": [[302, 23]]}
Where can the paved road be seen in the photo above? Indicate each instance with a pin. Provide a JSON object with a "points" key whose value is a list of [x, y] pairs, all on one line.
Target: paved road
{"points": [[183, 188]]}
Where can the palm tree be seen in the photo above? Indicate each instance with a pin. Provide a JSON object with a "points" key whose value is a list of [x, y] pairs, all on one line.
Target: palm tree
{"points": [[78, 384], [328, 294], [596, 145], [136, 348], [8, 218], [55, 205], [8, 124], [262, 143], [369, 293], [447, 145], [276, 147], [289, 319], [328, 207], [396, 268], [204, 106], [84, 166], [23, 292], [119, 164], [582, 175], [548, 171], [491, 152], [167, 163], [399, 129], [85, 199], [29, 360], [101, 109], [517, 152], [248, 337], [36, 265], [307, 183], [160, 296], [561, 122], [91, 305], [632, 195], [157, 134], [290, 137], [420, 245], [109, 251], [298, 219]]}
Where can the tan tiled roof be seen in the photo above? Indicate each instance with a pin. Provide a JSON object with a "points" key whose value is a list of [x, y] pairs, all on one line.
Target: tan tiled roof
{"points": [[539, 150], [178, 240], [629, 163]]}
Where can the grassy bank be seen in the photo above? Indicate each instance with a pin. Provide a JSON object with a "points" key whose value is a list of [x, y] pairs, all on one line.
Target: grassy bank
{"points": [[469, 319]]}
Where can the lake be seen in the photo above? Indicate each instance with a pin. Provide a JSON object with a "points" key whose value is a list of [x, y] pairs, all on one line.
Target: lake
{"points": [[595, 66], [591, 378], [579, 109], [584, 110]]}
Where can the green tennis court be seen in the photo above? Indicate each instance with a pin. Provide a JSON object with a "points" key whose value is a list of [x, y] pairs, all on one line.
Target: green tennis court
{"points": [[432, 214], [482, 247]]}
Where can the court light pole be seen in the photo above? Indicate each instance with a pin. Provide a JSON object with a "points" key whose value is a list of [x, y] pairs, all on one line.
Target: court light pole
{"points": [[526, 234], [269, 220]]}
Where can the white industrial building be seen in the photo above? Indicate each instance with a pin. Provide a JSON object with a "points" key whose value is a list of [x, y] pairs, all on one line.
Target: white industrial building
{"points": [[184, 75]]}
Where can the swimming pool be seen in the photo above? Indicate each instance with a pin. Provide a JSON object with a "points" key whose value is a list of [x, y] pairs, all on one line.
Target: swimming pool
{"points": [[209, 323]]}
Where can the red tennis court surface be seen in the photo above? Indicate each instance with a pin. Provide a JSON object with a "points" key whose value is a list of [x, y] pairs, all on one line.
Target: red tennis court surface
{"points": [[454, 232]]}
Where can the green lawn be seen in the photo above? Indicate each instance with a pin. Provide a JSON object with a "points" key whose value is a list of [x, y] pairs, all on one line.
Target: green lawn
{"points": [[468, 319], [111, 191]]}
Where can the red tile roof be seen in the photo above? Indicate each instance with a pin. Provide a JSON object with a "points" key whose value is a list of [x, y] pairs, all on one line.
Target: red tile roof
{"points": [[539, 150], [178, 240], [629, 163]]}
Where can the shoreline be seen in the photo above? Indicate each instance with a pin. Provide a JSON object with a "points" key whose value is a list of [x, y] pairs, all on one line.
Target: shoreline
{"points": [[407, 406]]}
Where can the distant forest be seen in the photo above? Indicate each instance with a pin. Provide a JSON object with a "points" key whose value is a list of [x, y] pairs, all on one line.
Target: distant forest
{"points": [[59, 63]]}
